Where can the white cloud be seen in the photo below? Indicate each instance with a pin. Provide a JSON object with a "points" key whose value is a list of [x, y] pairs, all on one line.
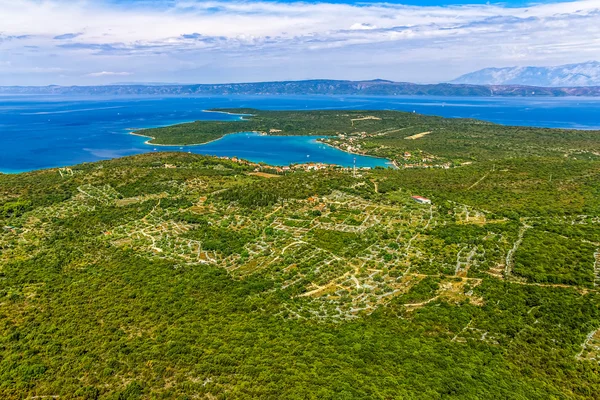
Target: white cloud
{"points": [[200, 40], [361, 26], [108, 73]]}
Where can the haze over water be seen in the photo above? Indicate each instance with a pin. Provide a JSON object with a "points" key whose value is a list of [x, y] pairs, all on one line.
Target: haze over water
{"points": [[50, 131]]}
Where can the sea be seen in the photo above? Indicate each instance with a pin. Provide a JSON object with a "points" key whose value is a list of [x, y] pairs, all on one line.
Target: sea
{"points": [[46, 131]]}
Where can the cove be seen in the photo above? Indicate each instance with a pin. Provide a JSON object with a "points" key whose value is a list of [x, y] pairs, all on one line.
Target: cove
{"points": [[277, 150]]}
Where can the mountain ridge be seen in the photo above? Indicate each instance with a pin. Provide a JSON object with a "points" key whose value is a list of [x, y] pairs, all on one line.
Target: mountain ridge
{"points": [[572, 75], [311, 87]]}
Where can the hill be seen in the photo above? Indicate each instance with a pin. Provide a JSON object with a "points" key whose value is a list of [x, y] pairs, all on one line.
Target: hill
{"points": [[571, 75], [310, 87], [174, 275]]}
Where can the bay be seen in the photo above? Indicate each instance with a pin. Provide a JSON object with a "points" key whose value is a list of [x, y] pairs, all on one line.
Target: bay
{"points": [[50, 131]]}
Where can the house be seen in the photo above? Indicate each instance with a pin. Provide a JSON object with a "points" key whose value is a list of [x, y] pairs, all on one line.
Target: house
{"points": [[421, 200]]}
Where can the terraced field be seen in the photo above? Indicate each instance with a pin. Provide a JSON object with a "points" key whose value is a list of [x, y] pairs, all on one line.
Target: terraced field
{"points": [[176, 275]]}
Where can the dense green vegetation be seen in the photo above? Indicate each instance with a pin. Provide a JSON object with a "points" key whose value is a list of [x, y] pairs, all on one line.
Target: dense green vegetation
{"points": [[549, 257], [174, 275], [347, 244], [384, 133], [224, 240]]}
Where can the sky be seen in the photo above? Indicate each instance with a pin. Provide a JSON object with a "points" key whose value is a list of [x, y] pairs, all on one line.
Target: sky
{"points": [[93, 42]]}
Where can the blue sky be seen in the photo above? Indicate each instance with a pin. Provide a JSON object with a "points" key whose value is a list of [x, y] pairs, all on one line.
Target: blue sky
{"points": [[506, 3], [89, 42]]}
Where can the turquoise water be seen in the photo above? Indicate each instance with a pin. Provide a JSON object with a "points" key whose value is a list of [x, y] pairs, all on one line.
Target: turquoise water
{"points": [[278, 150], [50, 131]]}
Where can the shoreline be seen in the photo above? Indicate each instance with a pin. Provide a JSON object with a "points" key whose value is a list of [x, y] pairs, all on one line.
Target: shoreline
{"points": [[147, 142], [134, 131], [391, 162], [229, 113], [15, 172]]}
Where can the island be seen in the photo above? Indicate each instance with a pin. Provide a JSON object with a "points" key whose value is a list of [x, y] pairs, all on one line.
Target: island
{"points": [[373, 87], [470, 271]]}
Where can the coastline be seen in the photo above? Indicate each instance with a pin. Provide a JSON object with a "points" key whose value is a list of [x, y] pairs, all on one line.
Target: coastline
{"points": [[390, 162], [148, 142], [73, 155], [229, 113], [16, 171]]}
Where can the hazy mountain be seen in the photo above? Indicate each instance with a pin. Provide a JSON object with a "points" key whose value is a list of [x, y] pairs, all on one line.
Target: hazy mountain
{"points": [[376, 87], [144, 83], [573, 75]]}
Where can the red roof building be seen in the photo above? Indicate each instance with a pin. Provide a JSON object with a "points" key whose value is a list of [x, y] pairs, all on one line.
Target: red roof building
{"points": [[421, 200]]}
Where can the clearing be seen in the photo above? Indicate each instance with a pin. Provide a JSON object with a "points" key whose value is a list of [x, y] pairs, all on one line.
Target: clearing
{"points": [[418, 135]]}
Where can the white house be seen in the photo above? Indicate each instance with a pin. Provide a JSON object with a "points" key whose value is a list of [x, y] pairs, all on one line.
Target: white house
{"points": [[421, 200]]}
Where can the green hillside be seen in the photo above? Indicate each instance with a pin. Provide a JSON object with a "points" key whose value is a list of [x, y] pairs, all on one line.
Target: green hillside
{"points": [[173, 275]]}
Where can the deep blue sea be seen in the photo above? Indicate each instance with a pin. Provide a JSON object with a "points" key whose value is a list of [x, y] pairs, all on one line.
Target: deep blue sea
{"points": [[50, 131]]}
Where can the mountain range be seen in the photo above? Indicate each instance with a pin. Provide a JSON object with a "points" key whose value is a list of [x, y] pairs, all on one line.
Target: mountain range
{"points": [[309, 87], [570, 75]]}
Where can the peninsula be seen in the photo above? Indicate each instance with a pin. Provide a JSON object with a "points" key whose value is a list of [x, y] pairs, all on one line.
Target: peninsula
{"points": [[407, 139]]}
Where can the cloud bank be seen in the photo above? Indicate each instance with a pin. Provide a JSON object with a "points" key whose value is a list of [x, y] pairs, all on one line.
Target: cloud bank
{"points": [[108, 73], [68, 42]]}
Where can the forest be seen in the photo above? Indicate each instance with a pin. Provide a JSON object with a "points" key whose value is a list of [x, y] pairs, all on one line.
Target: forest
{"points": [[174, 275]]}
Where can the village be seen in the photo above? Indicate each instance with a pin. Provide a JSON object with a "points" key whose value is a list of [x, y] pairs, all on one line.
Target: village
{"points": [[262, 167], [356, 144]]}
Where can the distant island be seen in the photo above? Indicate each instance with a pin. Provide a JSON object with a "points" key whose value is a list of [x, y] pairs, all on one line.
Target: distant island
{"points": [[377, 87], [569, 75]]}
